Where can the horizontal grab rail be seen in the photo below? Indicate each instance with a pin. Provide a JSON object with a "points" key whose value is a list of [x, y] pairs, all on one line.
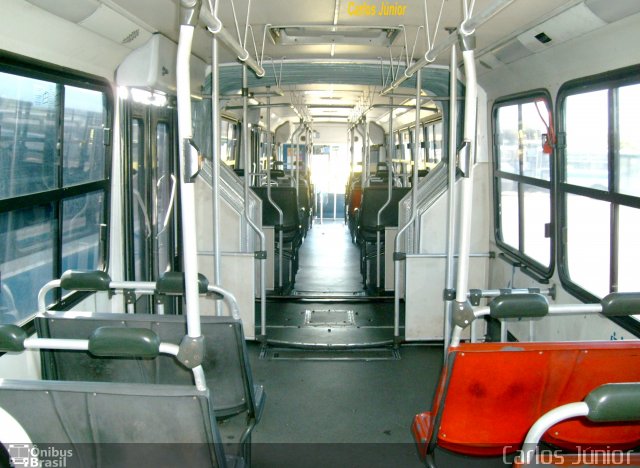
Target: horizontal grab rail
{"points": [[536, 305], [167, 285]]}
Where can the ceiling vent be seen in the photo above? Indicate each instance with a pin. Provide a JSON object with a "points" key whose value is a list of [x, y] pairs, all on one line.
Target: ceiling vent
{"points": [[101, 17], [511, 51], [571, 23]]}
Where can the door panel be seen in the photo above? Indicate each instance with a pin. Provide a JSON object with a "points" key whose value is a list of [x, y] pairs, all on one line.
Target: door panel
{"points": [[152, 192]]}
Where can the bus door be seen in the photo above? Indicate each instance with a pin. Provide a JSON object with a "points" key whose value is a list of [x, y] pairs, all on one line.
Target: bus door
{"points": [[152, 186]]}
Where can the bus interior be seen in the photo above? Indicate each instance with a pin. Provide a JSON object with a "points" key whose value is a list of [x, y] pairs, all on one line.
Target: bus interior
{"points": [[322, 233]]}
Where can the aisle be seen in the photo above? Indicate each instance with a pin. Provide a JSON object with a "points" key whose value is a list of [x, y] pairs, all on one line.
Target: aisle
{"points": [[329, 261]]}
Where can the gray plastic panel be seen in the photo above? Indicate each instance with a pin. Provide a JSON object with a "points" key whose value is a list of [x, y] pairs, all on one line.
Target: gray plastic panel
{"points": [[108, 424], [225, 364]]}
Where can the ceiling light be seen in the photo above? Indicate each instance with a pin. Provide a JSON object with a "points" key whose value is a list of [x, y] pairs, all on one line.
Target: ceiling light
{"points": [[330, 35]]}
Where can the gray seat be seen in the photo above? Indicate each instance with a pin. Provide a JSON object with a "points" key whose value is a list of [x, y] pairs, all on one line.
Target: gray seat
{"points": [[110, 424], [373, 199], [226, 362]]}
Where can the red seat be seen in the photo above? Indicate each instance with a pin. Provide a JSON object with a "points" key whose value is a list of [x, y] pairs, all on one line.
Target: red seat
{"points": [[355, 200], [490, 394]]}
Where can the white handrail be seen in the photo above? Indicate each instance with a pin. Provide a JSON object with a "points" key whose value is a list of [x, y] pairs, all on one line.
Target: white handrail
{"points": [[547, 421], [187, 191], [466, 203]]}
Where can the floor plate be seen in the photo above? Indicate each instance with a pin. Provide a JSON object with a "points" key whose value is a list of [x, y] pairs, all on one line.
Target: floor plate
{"points": [[329, 318], [294, 354]]}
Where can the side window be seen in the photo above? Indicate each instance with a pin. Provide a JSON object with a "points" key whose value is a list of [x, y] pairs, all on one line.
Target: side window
{"points": [[54, 189], [599, 194], [522, 180]]}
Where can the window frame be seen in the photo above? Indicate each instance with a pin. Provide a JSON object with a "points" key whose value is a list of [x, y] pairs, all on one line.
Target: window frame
{"points": [[60, 76], [517, 257], [604, 81]]}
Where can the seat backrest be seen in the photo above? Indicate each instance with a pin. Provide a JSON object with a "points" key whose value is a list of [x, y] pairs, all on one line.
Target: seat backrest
{"points": [[106, 424], [304, 195], [491, 393], [285, 198], [226, 364], [374, 198]]}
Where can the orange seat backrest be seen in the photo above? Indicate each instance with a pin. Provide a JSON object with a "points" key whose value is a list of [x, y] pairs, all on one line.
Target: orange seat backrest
{"points": [[496, 391]]}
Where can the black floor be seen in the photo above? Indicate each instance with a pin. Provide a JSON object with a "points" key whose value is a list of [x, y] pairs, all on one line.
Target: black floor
{"points": [[339, 323], [328, 306], [339, 394], [343, 413], [328, 262]]}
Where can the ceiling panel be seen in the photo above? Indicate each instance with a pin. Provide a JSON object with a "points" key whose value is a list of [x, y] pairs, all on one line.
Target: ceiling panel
{"points": [[163, 15], [342, 65]]}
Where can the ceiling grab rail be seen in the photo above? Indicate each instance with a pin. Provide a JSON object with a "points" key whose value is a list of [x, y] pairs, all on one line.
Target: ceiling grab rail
{"points": [[397, 255], [189, 168], [215, 27], [470, 25]]}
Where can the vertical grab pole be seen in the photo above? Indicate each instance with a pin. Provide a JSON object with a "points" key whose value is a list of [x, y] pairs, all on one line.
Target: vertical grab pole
{"points": [[363, 161], [378, 227], [467, 42], [451, 201], [391, 147], [215, 125], [189, 166], [297, 168], [280, 214], [397, 256], [296, 135], [258, 231], [416, 156], [367, 150], [389, 190], [352, 148]]}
